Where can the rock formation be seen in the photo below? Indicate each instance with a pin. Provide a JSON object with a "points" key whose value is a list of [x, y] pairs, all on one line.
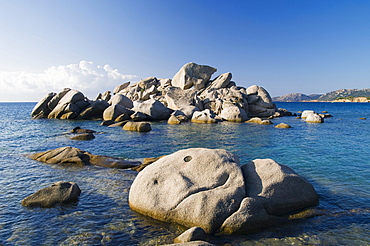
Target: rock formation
{"points": [[189, 91], [207, 188]]}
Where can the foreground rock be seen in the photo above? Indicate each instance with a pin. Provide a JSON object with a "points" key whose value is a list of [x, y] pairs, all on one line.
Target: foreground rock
{"points": [[207, 188], [60, 192], [73, 156], [194, 187]]}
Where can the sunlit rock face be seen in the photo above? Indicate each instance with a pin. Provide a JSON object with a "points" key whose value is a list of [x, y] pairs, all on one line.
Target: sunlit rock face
{"points": [[208, 188]]}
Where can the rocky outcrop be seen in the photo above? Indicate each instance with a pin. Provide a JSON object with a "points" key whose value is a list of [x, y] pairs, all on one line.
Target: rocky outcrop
{"points": [[73, 156], [207, 188], [60, 192], [190, 90]]}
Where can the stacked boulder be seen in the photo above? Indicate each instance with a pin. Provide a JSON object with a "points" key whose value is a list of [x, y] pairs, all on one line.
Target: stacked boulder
{"points": [[190, 90]]}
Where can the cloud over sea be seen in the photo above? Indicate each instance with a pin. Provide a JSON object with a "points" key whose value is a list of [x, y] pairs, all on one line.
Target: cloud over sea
{"points": [[86, 76]]}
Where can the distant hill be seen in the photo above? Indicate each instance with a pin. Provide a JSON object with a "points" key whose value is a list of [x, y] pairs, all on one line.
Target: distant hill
{"points": [[344, 93], [296, 97]]}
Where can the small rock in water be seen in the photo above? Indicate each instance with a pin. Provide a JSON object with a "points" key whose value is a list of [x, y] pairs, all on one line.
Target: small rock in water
{"points": [[60, 192], [282, 125], [83, 136]]}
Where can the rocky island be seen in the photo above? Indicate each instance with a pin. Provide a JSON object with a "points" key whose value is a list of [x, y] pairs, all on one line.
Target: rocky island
{"points": [[191, 95]]}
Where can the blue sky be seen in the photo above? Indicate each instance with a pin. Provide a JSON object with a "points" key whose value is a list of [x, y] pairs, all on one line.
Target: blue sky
{"points": [[284, 46]]}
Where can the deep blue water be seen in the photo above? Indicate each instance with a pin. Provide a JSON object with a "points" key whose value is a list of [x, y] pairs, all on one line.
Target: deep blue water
{"points": [[334, 156]]}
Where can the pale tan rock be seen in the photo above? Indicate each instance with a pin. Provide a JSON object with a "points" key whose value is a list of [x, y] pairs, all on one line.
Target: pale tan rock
{"points": [[314, 118], [193, 187], [192, 74], [205, 116], [282, 125], [231, 112], [173, 120], [137, 126]]}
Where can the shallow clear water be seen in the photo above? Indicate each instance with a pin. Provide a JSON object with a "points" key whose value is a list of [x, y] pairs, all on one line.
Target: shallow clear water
{"points": [[334, 156]]}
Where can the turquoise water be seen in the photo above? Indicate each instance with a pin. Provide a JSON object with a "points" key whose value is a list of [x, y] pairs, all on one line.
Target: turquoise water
{"points": [[334, 156]]}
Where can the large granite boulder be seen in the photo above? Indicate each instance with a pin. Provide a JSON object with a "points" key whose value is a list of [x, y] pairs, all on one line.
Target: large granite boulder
{"points": [[119, 88], [116, 110], [69, 106], [121, 100], [137, 126], [205, 116], [192, 187], [277, 186], [93, 111], [177, 98], [221, 81], [41, 109], [153, 108], [55, 100], [207, 188], [192, 74], [306, 112], [73, 156], [314, 118], [59, 192], [259, 102], [231, 112]]}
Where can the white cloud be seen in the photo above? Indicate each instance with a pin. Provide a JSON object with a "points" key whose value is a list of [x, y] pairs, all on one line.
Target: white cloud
{"points": [[85, 76]]}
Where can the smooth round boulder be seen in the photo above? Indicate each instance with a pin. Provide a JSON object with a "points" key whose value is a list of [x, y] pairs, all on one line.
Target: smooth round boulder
{"points": [[279, 189], [192, 187], [206, 116], [137, 126], [306, 112], [282, 125], [314, 118], [231, 112], [59, 192]]}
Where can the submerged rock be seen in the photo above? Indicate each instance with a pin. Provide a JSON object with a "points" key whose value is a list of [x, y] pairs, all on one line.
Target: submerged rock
{"points": [[83, 136], [207, 188], [73, 156], [192, 234], [60, 192]]}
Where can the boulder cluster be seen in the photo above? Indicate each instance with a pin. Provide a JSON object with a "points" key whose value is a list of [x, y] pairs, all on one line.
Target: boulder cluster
{"points": [[191, 95]]}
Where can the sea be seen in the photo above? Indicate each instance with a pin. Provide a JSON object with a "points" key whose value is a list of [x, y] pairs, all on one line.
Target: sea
{"points": [[334, 156]]}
